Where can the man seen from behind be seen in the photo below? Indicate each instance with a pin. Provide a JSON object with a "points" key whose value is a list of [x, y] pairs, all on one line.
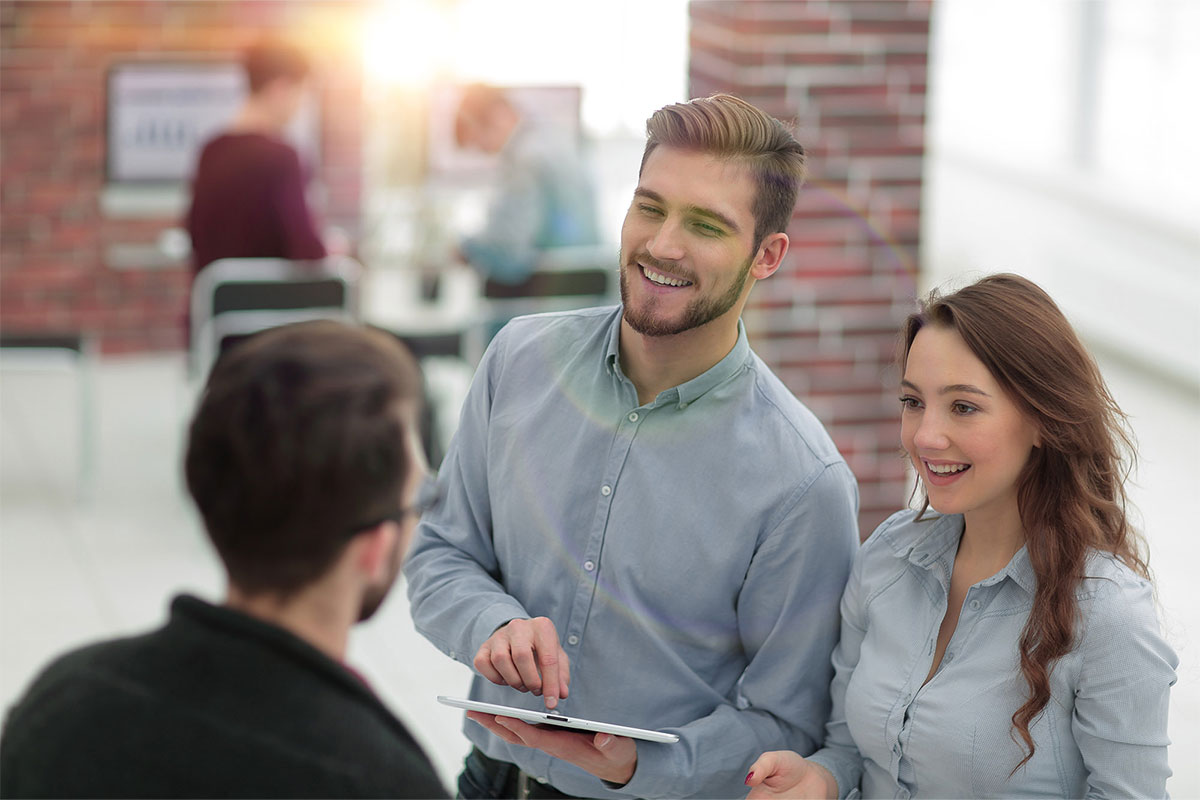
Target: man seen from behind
{"points": [[303, 462]]}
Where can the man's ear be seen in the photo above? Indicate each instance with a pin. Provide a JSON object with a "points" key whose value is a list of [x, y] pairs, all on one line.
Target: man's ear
{"points": [[769, 256], [372, 547]]}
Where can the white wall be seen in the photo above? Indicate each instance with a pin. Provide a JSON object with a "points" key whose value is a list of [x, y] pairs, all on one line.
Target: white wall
{"points": [[1062, 145]]}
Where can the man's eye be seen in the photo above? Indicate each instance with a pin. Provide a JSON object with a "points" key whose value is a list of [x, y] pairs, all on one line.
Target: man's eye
{"points": [[651, 210]]}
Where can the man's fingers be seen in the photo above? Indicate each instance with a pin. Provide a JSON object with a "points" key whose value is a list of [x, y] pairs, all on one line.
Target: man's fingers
{"points": [[483, 665], [492, 724], [564, 674], [549, 658], [525, 661], [502, 662], [526, 655]]}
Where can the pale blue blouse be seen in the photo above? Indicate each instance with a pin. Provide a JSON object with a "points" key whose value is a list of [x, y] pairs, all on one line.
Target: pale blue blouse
{"points": [[1103, 733]]}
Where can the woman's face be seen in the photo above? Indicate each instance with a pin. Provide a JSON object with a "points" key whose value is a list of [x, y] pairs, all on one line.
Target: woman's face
{"points": [[967, 439]]}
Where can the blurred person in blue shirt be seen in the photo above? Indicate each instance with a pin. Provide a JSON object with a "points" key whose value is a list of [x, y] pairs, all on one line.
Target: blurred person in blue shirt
{"points": [[543, 197], [1007, 645], [642, 525]]}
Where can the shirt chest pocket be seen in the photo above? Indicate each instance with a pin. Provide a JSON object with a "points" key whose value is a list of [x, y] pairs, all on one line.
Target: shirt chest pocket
{"points": [[997, 748]]}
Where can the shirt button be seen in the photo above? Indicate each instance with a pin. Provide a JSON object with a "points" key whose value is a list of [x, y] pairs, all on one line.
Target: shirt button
{"points": [[975, 605], [572, 639], [683, 404], [541, 780], [633, 417], [606, 490], [589, 565]]}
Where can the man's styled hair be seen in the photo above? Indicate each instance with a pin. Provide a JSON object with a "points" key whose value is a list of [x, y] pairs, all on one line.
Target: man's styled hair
{"points": [[270, 59], [298, 443], [728, 127]]}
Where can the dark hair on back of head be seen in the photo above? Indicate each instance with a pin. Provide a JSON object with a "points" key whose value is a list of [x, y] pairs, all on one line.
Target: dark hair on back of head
{"points": [[299, 436]]}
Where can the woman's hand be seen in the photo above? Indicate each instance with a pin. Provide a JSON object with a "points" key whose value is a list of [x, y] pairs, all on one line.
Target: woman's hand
{"points": [[782, 773]]}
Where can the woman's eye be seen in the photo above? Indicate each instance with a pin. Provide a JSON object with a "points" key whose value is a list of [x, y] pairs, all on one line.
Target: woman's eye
{"points": [[909, 401], [963, 408]]}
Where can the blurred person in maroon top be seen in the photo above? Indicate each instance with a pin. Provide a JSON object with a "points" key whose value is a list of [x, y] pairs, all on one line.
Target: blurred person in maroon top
{"points": [[248, 195]]}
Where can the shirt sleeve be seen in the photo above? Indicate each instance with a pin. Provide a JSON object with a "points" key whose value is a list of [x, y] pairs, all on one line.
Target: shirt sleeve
{"points": [[453, 574], [1127, 670], [300, 238], [840, 754], [788, 624]]}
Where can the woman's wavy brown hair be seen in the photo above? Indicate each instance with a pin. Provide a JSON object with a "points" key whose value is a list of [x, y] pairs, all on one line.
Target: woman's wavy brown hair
{"points": [[1071, 494]]}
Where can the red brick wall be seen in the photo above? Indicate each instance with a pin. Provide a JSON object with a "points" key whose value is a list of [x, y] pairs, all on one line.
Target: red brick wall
{"points": [[54, 235], [851, 74]]}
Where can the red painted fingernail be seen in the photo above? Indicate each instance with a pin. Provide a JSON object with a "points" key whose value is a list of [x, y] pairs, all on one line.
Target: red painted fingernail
{"points": [[749, 775]]}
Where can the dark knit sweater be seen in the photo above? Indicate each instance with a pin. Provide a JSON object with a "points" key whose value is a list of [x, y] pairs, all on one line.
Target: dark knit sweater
{"points": [[214, 704]]}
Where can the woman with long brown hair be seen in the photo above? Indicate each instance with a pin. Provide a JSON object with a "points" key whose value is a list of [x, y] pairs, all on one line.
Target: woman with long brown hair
{"points": [[1002, 639]]}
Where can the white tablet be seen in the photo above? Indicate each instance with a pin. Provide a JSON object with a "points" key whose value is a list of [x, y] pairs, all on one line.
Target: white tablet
{"points": [[551, 718]]}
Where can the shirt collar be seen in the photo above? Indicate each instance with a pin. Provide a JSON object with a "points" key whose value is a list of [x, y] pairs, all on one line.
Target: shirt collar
{"points": [[944, 534], [684, 393]]}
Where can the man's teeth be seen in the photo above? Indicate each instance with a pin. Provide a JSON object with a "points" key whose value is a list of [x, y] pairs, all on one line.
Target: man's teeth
{"points": [[946, 469], [663, 279]]}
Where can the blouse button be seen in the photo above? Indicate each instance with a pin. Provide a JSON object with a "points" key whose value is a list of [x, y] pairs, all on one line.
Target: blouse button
{"points": [[572, 639], [633, 416], [589, 565], [606, 490]]}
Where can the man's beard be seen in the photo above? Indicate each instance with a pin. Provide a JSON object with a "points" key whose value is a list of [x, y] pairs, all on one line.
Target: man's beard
{"points": [[374, 596], [700, 311]]}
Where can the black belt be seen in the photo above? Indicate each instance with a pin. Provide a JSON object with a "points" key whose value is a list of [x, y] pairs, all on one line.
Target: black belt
{"points": [[517, 783]]}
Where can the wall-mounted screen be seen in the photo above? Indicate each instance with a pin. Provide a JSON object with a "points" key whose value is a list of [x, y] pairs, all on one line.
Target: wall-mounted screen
{"points": [[161, 113]]}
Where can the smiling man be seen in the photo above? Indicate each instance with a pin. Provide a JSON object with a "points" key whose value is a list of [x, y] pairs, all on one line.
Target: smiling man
{"points": [[642, 524]]}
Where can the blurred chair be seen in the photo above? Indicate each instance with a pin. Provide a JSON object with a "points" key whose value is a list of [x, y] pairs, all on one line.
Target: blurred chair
{"points": [[73, 352], [564, 278], [233, 298]]}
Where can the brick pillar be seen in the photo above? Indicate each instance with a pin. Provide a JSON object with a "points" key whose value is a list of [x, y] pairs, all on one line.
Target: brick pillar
{"points": [[55, 239], [851, 75]]}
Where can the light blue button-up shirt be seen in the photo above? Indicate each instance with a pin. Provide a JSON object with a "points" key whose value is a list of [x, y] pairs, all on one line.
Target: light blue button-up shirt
{"points": [[691, 551], [1103, 733]]}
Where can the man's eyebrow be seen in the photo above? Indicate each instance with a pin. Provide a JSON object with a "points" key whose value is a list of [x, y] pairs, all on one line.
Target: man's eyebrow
{"points": [[699, 211], [954, 387]]}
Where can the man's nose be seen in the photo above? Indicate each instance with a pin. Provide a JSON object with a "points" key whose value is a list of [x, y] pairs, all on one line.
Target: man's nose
{"points": [[667, 242]]}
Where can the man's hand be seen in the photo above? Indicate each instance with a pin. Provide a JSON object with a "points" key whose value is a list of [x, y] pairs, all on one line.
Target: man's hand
{"points": [[608, 757], [525, 654], [782, 773]]}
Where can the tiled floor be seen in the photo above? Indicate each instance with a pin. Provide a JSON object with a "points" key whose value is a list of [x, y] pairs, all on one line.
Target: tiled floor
{"points": [[73, 569]]}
